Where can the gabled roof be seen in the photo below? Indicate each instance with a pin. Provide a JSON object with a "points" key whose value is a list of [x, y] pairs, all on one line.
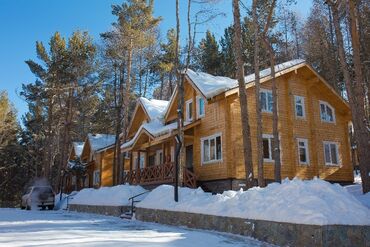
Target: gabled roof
{"points": [[154, 129], [211, 86], [154, 108], [78, 146], [100, 141]]}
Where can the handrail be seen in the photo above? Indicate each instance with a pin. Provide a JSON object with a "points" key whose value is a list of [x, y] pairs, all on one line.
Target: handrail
{"points": [[133, 197]]}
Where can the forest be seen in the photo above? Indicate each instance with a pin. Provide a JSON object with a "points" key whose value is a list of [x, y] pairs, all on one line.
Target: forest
{"points": [[91, 86]]}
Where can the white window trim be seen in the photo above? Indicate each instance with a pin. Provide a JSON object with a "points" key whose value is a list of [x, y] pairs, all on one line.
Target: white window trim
{"points": [[305, 141], [187, 110], [321, 102], [269, 137], [157, 157], [219, 134], [337, 153], [197, 107], [263, 90], [303, 106], [96, 177]]}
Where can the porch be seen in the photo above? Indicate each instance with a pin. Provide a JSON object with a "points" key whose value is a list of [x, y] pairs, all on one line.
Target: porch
{"points": [[152, 160], [159, 174]]}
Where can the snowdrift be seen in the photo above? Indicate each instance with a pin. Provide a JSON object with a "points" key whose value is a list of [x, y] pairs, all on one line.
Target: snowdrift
{"points": [[314, 202], [108, 196]]}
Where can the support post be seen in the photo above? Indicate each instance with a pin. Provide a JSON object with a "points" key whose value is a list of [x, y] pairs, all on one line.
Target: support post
{"points": [[178, 148]]}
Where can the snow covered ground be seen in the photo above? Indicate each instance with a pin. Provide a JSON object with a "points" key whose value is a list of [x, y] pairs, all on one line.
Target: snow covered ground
{"points": [[59, 228], [314, 202]]}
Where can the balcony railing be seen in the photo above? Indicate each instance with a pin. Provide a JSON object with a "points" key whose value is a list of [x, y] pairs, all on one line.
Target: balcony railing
{"points": [[161, 174]]}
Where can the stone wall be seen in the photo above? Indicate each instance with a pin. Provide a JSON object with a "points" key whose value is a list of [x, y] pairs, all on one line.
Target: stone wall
{"points": [[104, 210], [282, 234]]}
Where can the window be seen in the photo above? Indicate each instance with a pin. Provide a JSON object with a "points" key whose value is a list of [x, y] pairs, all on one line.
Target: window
{"points": [[303, 151], [189, 110], [327, 112], [159, 157], [200, 107], [211, 148], [331, 153], [266, 100], [267, 148], [299, 107], [96, 177]]}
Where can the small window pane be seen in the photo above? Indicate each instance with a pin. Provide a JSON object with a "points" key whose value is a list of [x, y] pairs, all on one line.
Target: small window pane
{"points": [[333, 150], [219, 149], [269, 95], [190, 112], [327, 153], [329, 114], [266, 148], [263, 101], [302, 155], [212, 150], [206, 150], [201, 106], [299, 110], [323, 112]]}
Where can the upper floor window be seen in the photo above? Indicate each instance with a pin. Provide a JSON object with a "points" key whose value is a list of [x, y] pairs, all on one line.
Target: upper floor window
{"points": [[331, 153], [189, 110], [211, 148], [200, 107], [327, 112], [266, 100], [299, 107], [303, 151]]}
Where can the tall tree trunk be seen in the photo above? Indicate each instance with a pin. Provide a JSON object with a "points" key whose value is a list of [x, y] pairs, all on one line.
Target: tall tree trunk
{"points": [[117, 107], [180, 88], [189, 36], [356, 101], [363, 141], [275, 118], [247, 146], [261, 179]]}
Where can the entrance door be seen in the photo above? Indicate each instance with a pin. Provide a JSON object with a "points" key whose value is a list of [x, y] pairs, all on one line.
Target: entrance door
{"points": [[189, 157]]}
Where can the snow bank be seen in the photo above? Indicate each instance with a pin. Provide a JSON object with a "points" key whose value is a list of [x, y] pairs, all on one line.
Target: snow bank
{"points": [[108, 196], [307, 202]]}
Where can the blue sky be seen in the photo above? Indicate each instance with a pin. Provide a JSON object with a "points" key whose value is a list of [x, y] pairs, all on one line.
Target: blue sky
{"points": [[23, 22]]}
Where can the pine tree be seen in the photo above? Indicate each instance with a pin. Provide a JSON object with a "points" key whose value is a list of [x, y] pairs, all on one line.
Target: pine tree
{"points": [[209, 54]]}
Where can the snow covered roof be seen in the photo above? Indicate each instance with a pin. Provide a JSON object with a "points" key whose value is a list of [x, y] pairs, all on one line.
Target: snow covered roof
{"points": [[100, 141], [154, 108], [78, 146], [155, 128], [211, 86]]}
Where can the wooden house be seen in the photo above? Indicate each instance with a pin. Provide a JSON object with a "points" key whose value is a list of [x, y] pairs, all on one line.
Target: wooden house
{"points": [[71, 180], [313, 130], [97, 154]]}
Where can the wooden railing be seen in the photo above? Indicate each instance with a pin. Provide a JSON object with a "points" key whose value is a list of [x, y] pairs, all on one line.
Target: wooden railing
{"points": [[160, 174]]}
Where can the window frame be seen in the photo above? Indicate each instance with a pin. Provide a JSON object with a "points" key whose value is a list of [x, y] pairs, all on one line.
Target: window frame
{"points": [[209, 138], [158, 154], [269, 137], [302, 98], [336, 150], [326, 104], [266, 92], [188, 110], [198, 107], [307, 150], [96, 177]]}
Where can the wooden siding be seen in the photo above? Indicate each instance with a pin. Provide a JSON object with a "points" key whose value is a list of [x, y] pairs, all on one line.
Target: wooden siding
{"points": [[139, 117]]}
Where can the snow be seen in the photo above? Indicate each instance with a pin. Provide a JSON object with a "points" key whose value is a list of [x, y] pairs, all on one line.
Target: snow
{"points": [[78, 146], [60, 228], [107, 196], [100, 141], [154, 108], [211, 86], [314, 202], [356, 190], [155, 128]]}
